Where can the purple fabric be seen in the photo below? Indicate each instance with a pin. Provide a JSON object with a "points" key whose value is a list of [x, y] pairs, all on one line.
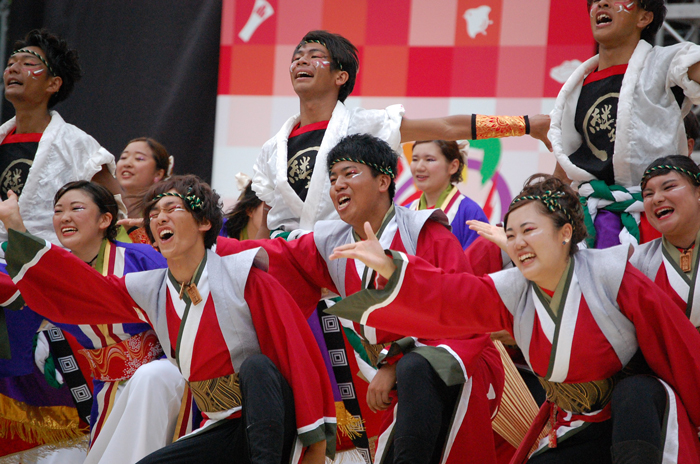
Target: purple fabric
{"points": [[33, 390], [316, 329], [468, 209], [607, 228]]}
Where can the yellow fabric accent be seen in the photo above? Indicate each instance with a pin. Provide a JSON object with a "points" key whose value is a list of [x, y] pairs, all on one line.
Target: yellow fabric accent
{"points": [[219, 394], [348, 425], [491, 127], [43, 424], [580, 398]]}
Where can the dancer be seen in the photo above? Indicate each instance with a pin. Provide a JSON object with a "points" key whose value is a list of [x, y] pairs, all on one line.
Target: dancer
{"points": [[619, 110], [143, 162], [40, 73], [234, 333], [447, 390], [437, 168], [128, 377], [579, 318], [323, 71]]}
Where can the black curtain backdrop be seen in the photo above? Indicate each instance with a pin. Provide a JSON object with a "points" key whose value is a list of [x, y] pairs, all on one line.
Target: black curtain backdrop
{"points": [[150, 68]]}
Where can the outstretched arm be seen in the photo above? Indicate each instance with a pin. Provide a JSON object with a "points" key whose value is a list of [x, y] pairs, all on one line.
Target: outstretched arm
{"points": [[474, 126], [62, 288], [460, 303]]}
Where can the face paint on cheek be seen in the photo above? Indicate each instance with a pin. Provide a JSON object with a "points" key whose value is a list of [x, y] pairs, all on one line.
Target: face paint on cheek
{"points": [[353, 175], [321, 63], [33, 74], [627, 7]]}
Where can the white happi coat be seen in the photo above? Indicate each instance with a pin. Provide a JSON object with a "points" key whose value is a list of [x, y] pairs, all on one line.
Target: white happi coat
{"points": [[649, 120], [270, 183], [65, 154]]}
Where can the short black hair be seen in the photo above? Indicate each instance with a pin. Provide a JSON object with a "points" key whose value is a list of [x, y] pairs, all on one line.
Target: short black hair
{"points": [[63, 60], [343, 56], [188, 185], [368, 150], [103, 198], [658, 7], [692, 127]]}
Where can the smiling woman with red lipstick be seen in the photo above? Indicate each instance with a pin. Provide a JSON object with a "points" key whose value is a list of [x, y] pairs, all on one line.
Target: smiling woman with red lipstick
{"points": [[436, 167], [579, 317]]}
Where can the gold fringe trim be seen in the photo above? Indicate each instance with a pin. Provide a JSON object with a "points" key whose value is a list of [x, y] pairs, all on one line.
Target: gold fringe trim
{"points": [[43, 425], [348, 425], [44, 451]]}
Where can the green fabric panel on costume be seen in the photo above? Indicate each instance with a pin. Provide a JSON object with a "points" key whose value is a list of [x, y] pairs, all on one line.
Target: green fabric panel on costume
{"points": [[354, 306], [605, 192], [22, 248], [49, 366], [122, 236], [99, 262], [356, 343], [404, 345], [444, 364], [322, 432]]}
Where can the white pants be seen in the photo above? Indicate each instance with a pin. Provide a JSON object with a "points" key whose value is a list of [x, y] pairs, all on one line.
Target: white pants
{"points": [[144, 415]]}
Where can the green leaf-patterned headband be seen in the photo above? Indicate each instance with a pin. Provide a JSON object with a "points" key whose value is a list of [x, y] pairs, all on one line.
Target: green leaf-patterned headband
{"points": [[670, 167], [193, 201], [383, 169], [41, 58], [550, 200]]}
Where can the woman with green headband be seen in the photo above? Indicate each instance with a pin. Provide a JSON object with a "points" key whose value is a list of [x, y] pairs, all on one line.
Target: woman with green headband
{"points": [[671, 192], [579, 317]]}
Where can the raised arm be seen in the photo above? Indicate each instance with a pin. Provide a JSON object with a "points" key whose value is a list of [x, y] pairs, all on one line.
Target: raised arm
{"points": [[459, 127], [460, 303], [296, 264], [62, 288]]}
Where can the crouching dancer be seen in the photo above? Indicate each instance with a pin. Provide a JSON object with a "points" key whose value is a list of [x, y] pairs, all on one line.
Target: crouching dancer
{"points": [[236, 335]]}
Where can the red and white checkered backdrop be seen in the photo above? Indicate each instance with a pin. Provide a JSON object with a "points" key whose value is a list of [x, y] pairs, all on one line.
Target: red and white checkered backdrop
{"points": [[436, 57]]}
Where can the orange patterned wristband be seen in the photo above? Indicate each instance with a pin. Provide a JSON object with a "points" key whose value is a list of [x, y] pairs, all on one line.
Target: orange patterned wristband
{"points": [[490, 127]]}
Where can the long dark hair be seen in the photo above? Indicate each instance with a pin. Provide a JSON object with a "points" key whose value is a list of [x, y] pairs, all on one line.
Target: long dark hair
{"points": [[237, 218]]}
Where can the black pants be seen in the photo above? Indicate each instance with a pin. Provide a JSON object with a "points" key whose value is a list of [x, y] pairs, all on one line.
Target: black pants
{"points": [[264, 434], [425, 411], [638, 410]]}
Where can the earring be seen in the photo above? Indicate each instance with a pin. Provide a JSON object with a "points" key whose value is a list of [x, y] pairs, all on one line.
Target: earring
{"points": [[565, 242]]}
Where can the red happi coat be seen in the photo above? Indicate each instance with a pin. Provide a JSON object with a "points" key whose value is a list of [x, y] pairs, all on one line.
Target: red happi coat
{"points": [[80, 295], [570, 347], [301, 268]]}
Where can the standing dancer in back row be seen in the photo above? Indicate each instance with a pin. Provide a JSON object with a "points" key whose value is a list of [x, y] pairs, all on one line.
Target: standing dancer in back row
{"points": [[619, 111]]}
